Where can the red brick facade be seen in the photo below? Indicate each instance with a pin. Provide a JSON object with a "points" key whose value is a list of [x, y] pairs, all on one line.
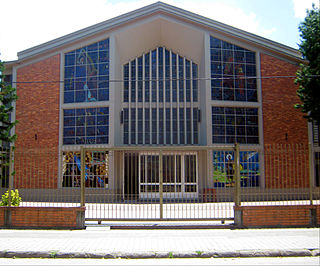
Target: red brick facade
{"points": [[37, 108], [283, 125], [37, 111], [36, 168]]}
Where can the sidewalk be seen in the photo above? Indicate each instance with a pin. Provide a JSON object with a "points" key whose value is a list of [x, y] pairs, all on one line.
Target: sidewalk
{"points": [[101, 242]]}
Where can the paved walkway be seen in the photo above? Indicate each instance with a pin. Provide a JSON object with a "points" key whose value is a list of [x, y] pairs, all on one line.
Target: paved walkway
{"points": [[99, 242]]}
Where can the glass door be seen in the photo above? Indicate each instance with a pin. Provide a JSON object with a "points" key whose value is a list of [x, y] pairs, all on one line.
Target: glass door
{"points": [[190, 175], [179, 175], [172, 182], [149, 176]]}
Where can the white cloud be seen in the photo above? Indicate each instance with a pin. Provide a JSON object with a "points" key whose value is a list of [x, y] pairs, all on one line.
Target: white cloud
{"points": [[30, 23], [230, 15], [301, 6], [268, 32]]}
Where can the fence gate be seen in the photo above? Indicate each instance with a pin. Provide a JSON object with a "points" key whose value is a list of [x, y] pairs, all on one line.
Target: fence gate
{"points": [[156, 184]]}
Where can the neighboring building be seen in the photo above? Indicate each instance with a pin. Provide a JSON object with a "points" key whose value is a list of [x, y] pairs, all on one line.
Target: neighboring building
{"points": [[156, 76]]}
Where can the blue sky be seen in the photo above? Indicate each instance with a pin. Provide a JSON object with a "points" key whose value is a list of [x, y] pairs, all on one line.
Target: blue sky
{"points": [[32, 22]]}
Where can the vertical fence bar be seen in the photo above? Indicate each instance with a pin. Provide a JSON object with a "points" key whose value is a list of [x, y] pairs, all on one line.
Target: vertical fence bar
{"points": [[10, 174], [311, 173], [237, 200], [82, 181], [161, 184]]}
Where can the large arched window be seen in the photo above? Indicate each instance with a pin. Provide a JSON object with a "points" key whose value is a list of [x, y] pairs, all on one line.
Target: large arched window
{"points": [[160, 99]]}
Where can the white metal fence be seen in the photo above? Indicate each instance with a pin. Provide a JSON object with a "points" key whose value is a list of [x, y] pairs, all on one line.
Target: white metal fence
{"points": [[163, 183]]}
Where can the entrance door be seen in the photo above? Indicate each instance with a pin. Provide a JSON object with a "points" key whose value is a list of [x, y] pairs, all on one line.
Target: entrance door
{"points": [[179, 175], [149, 176], [190, 174], [172, 181], [131, 173]]}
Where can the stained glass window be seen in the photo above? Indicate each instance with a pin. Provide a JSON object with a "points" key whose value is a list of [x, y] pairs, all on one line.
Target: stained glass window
{"points": [[223, 169], [233, 72], [159, 131], [97, 169], [86, 126], [231, 125], [86, 73]]}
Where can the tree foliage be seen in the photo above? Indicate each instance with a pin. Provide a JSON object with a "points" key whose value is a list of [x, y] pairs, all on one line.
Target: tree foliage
{"points": [[15, 198], [7, 97], [308, 76]]}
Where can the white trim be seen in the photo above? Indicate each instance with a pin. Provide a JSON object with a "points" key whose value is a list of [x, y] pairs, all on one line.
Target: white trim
{"points": [[112, 92], [236, 104], [87, 146], [61, 123], [206, 113], [81, 105], [260, 121]]}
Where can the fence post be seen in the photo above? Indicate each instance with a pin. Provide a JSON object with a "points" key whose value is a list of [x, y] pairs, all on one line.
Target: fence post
{"points": [[83, 175], [161, 184], [237, 196], [311, 173]]}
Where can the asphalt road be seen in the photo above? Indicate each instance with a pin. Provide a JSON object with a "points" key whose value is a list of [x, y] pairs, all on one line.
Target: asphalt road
{"points": [[216, 261]]}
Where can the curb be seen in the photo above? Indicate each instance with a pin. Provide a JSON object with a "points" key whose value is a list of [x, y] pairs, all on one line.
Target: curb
{"points": [[157, 255]]}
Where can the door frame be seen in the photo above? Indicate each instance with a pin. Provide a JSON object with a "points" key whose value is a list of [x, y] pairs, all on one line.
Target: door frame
{"points": [[171, 195]]}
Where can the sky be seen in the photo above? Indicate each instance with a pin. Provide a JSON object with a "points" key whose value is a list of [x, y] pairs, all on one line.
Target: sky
{"points": [[28, 23]]}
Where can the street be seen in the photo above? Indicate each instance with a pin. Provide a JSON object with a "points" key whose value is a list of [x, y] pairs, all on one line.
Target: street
{"points": [[211, 261]]}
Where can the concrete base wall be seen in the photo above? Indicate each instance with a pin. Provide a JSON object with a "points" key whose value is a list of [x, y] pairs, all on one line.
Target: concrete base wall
{"points": [[42, 217], [277, 216]]}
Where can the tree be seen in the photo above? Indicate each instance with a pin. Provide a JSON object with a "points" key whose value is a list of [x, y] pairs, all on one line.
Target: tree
{"points": [[7, 97], [308, 76]]}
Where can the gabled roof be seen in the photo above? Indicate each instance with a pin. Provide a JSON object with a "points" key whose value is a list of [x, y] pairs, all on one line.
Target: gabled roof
{"points": [[160, 7]]}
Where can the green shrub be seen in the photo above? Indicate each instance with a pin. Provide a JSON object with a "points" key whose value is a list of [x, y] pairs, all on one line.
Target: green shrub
{"points": [[15, 198]]}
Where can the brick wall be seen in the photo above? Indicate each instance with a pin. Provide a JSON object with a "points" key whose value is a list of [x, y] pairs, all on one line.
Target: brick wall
{"points": [[36, 168], [286, 166], [283, 125], [278, 99], [37, 111], [277, 216], [45, 217], [2, 210]]}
